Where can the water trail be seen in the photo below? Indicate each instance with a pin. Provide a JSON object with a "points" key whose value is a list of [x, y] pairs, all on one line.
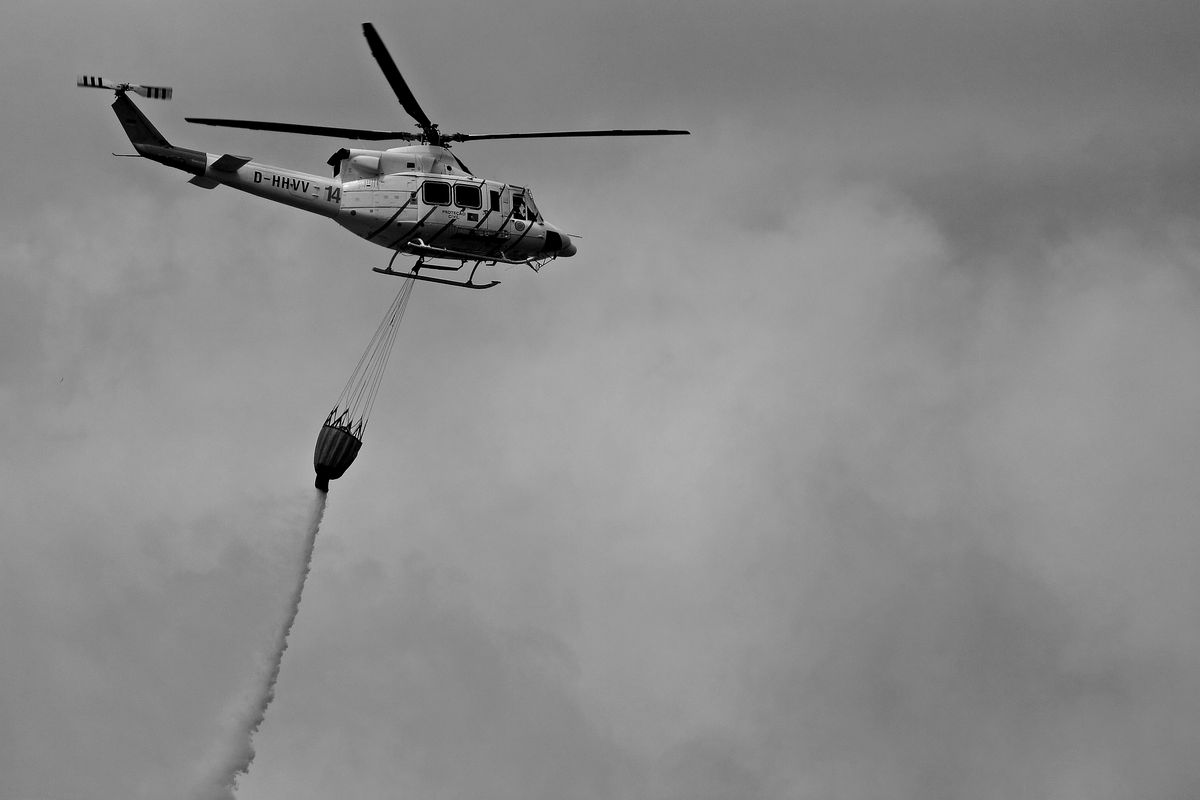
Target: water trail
{"points": [[240, 756]]}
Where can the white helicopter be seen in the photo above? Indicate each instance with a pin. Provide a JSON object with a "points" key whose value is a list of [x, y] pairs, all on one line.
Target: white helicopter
{"points": [[419, 200]]}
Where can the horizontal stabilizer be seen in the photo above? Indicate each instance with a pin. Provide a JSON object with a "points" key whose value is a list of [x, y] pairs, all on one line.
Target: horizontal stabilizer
{"points": [[204, 182], [228, 163]]}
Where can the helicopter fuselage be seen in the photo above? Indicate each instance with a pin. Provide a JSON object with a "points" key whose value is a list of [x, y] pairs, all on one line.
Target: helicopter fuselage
{"points": [[410, 199], [420, 199]]}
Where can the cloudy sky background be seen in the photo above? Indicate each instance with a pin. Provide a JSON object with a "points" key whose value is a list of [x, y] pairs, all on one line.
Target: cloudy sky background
{"points": [[854, 456]]}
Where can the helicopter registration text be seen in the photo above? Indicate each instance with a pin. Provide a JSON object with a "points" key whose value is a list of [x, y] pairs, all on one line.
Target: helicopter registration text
{"points": [[283, 182], [310, 192]]}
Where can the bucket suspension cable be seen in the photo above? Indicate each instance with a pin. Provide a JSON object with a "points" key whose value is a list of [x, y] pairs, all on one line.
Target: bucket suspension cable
{"points": [[354, 405], [341, 435]]}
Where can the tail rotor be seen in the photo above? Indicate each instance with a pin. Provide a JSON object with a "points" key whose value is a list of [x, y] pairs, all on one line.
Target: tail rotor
{"points": [[151, 92]]}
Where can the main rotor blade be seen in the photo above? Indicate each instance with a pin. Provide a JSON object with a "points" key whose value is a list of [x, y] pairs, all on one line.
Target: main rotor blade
{"points": [[392, 73], [470, 137], [464, 167], [311, 130]]}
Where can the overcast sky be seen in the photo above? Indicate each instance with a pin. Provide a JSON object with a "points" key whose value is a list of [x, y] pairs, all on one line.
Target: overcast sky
{"points": [[854, 456]]}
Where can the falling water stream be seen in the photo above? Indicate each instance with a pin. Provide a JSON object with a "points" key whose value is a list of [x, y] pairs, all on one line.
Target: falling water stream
{"points": [[240, 754]]}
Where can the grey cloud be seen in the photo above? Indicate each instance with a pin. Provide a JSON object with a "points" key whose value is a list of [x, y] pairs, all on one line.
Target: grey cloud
{"points": [[435, 699], [852, 455], [124, 662]]}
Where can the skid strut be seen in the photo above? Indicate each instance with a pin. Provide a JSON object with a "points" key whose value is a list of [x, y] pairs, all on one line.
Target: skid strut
{"points": [[468, 284]]}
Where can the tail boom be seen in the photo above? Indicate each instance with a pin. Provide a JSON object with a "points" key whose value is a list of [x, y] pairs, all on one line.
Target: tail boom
{"points": [[301, 190], [298, 189]]}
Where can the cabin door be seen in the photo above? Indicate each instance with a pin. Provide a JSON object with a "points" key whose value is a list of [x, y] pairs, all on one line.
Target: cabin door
{"points": [[435, 211]]}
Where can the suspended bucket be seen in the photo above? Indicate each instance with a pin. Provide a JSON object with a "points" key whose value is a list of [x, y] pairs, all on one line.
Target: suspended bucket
{"points": [[341, 435], [336, 450]]}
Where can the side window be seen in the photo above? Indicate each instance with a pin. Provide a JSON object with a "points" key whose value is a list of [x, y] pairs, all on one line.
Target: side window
{"points": [[467, 195], [495, 200], [436, 193]]}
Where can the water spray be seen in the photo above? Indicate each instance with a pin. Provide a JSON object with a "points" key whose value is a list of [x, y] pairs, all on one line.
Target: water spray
{"points": [[237, 761]]}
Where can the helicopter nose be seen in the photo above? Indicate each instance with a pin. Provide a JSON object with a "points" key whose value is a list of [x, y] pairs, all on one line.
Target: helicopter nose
{"points": [[568, 247], [558, 243]]}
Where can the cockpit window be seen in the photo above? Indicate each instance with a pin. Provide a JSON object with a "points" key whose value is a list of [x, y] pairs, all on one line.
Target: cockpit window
{"points": [[467, 195], [436, 193], [523, 206], [531, 207]]}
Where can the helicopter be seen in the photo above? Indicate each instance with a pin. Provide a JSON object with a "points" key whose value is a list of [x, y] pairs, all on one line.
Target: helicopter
{"points": [[417, 200]]}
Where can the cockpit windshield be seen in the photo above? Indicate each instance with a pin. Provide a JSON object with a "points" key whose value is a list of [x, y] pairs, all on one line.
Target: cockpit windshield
{"points": [[531, 207], [523, 205]]}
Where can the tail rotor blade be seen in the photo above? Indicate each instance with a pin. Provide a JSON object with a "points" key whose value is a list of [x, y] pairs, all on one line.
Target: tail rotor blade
{"points": [[154, 92], [94, 82]]}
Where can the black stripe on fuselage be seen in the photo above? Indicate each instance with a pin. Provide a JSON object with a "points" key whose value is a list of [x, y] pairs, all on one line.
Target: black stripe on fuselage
{"points": [[482, 220], [392, 219], [499, 248], [404, 237], [441, 230]]}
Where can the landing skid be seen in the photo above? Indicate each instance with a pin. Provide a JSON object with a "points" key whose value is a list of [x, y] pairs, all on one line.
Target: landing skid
{"points": [[416, 277], [469, 283]]}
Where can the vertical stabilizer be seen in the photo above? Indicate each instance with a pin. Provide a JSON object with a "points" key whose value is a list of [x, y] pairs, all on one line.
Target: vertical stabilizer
{"points": [[139, 129], [152, 144]]}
